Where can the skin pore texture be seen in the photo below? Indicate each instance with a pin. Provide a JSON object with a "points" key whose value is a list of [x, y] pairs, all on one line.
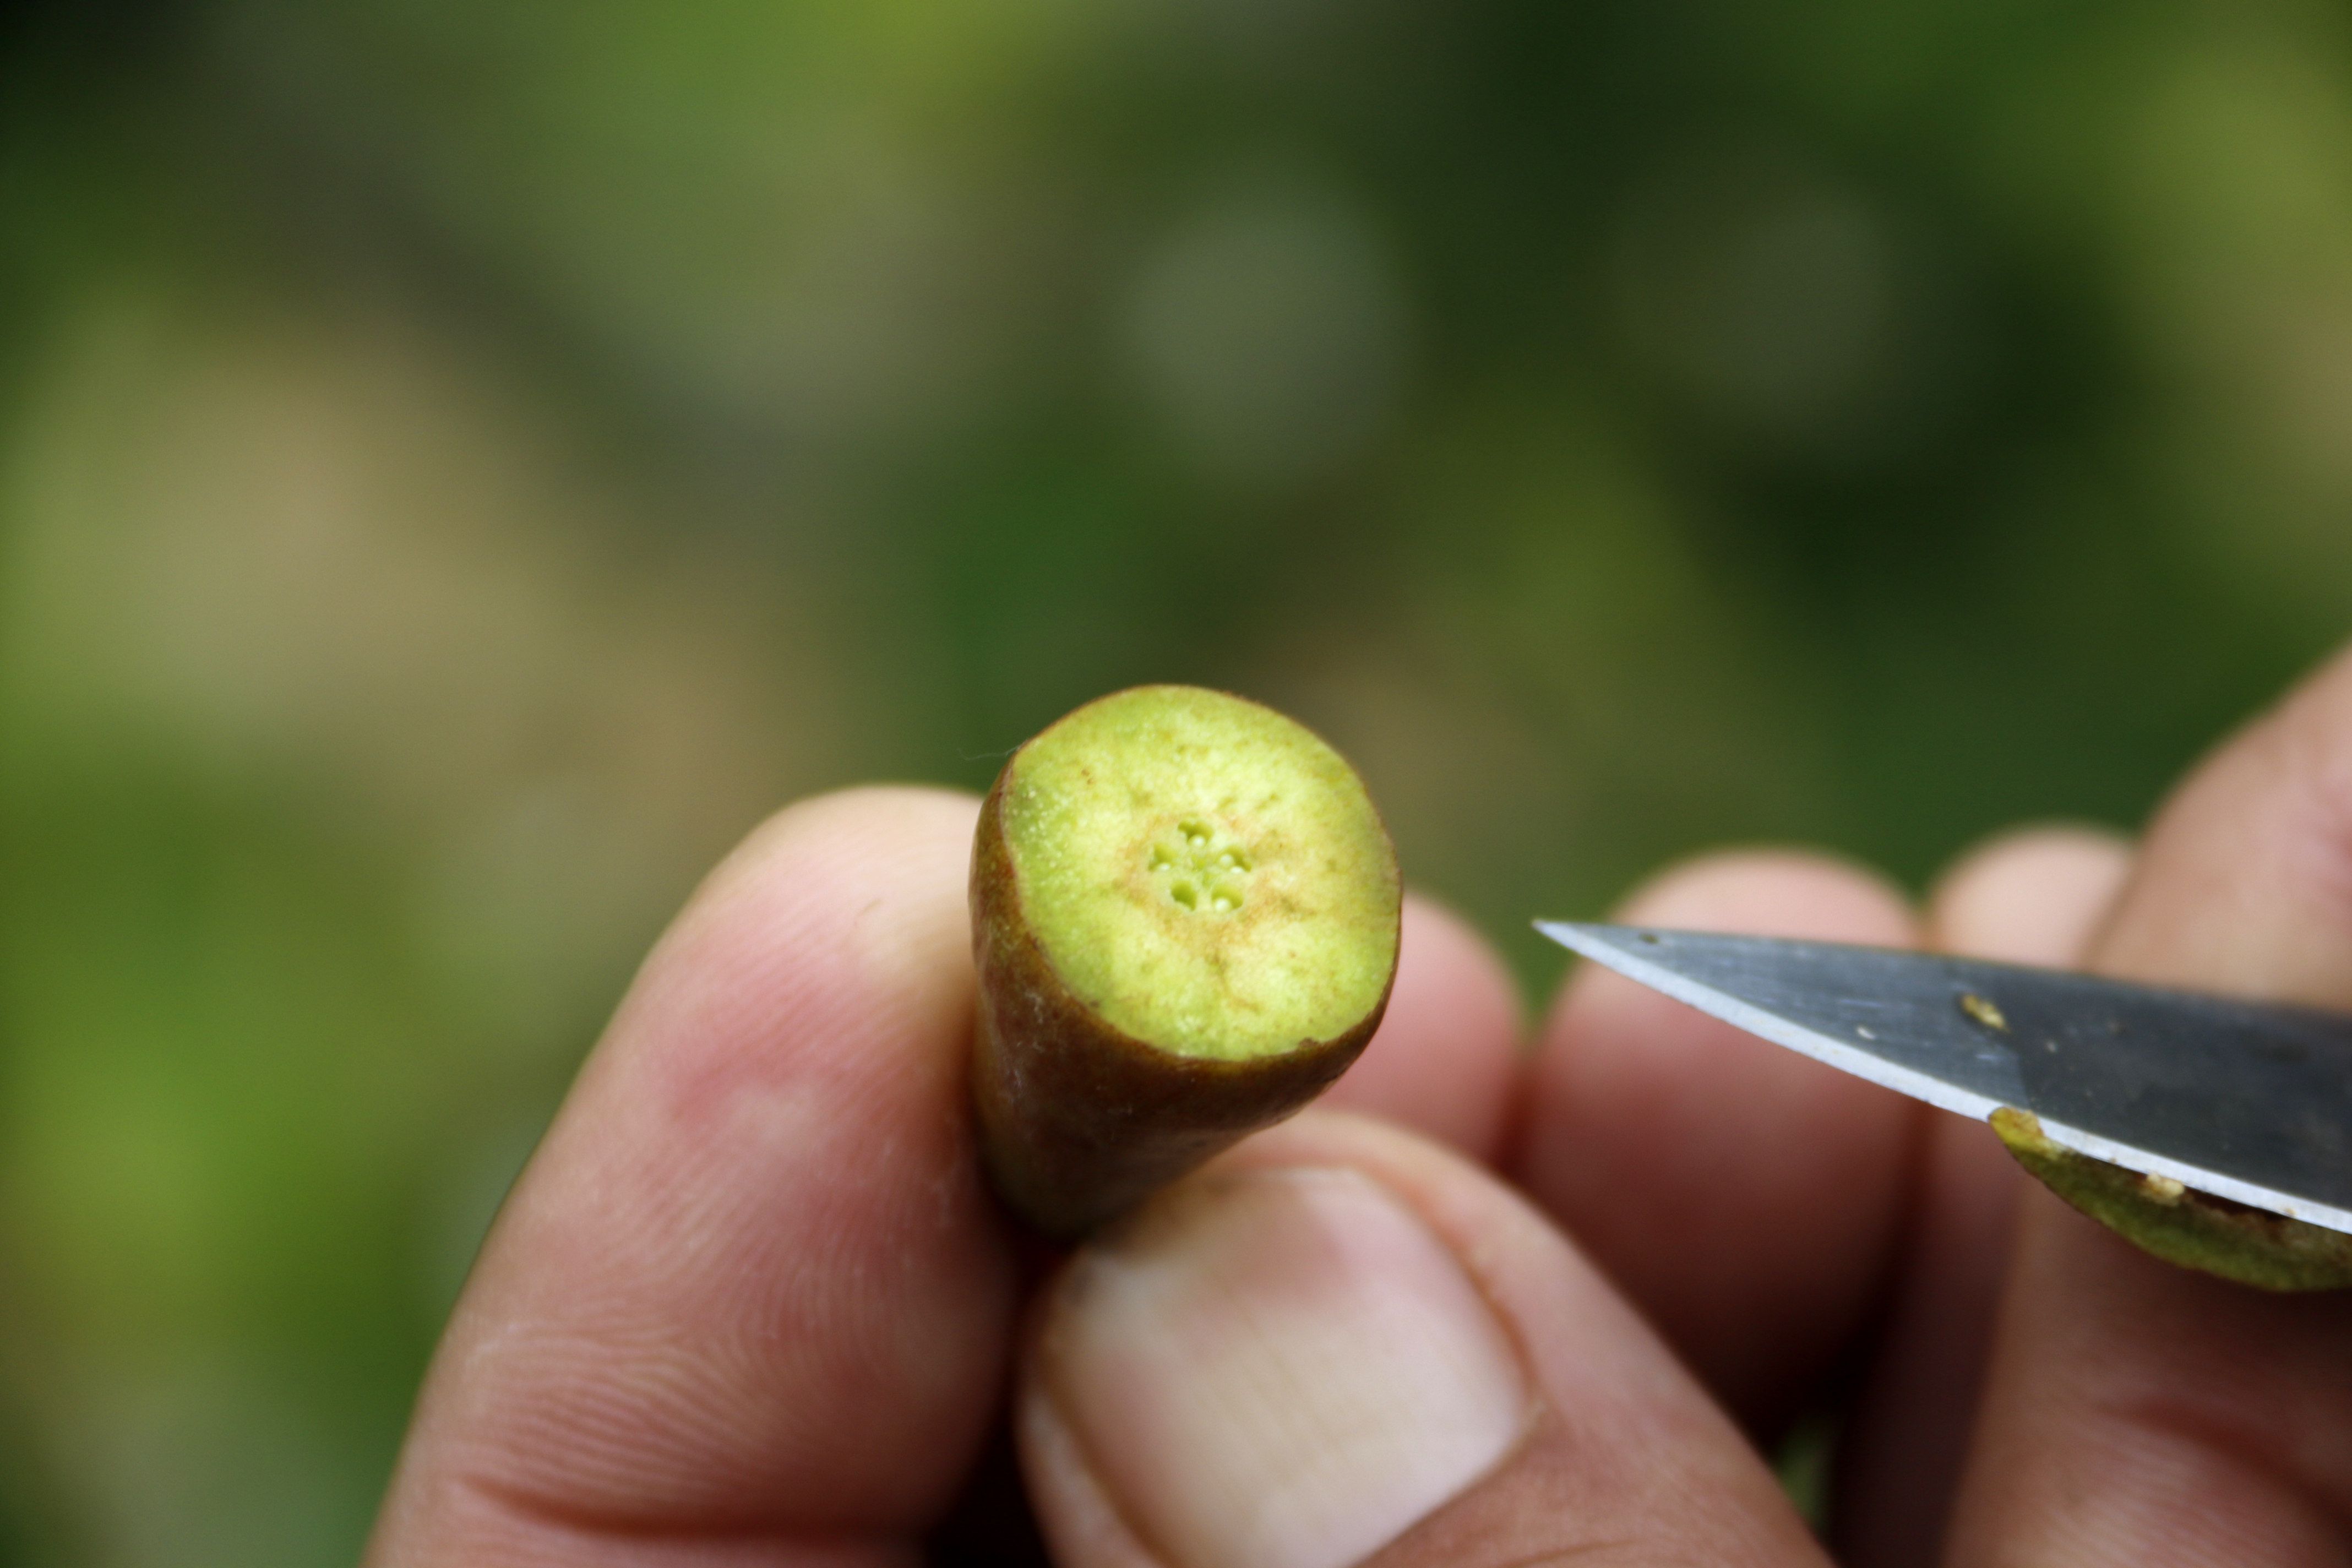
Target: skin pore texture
{"points": [[1185, 916]]}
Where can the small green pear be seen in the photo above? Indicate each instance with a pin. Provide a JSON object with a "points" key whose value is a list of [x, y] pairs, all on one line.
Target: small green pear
{"points": [[2179, 1224], [1185, 914]]}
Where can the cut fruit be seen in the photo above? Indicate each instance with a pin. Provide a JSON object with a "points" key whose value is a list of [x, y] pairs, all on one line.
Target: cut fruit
{"points": [[2180, 1224], [1185, 917]]}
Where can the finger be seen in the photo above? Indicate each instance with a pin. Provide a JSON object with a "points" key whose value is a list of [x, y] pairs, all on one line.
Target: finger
{"points": [[1745, 1197], [2246, 884], [1447, 1057], [748, 1302], [2142, 1413], [2036, 895], [2030, 897], [1345, 1344]]}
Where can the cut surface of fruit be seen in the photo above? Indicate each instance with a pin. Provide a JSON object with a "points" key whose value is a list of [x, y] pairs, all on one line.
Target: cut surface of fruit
{"points": [[1205, 874], [2180, 1224]]}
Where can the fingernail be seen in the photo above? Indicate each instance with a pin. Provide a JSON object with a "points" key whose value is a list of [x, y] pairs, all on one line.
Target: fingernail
{"points": [[1287, 1370]]}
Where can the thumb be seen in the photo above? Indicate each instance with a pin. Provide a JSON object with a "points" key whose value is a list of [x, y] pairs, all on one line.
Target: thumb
{"points": [[1342, 1342]]}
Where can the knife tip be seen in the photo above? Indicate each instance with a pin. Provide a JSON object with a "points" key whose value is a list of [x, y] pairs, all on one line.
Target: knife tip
{"points": [[1576, 936]]}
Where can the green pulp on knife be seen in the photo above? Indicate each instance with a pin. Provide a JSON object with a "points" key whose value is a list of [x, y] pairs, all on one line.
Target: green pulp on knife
{"points": [[2181, 1224]]}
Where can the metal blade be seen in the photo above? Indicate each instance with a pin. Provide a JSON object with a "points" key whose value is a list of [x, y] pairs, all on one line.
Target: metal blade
{"points": [[2247, 1101]]}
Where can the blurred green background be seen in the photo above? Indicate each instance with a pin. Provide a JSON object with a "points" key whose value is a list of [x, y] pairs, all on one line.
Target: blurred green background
{"points": [[463, 464]]}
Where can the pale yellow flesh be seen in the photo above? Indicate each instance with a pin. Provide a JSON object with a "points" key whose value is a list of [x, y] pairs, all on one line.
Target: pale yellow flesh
{"points": [[1206, 874]]}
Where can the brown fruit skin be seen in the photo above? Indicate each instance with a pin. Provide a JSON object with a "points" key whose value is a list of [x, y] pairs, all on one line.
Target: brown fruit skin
{"points": [[1080, 1121]]}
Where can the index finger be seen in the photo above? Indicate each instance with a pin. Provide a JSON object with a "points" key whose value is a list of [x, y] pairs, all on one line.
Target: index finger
{"points": [[750, 1301], [1747, 1199]]}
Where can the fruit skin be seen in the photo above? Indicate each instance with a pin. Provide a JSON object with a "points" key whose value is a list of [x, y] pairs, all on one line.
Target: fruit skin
{"points": [[1080, 1121], [2181, 1224]]}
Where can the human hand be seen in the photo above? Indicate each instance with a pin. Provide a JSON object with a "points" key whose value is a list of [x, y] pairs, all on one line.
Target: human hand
{"points": [[750, 1302]]}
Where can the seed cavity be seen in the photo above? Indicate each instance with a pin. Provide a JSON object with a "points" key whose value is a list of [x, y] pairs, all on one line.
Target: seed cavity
{"points": [[1200, 868]]}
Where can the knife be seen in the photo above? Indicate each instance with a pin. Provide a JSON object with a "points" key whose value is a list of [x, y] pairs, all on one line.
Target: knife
{"points": [[2247, 1101]]}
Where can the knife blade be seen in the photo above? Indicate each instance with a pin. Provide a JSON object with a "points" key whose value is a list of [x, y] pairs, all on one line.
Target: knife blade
{"points": [[2247, 1101]]}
